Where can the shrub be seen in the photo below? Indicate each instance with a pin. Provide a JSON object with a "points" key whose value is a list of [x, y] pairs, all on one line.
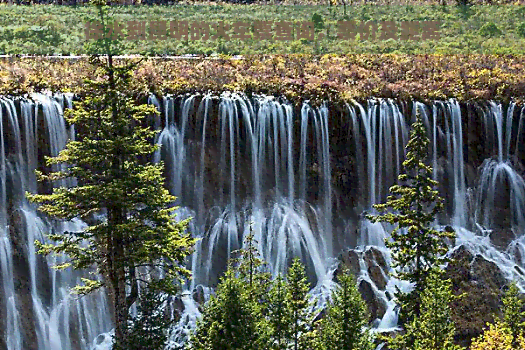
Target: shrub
{"points": [[521, 30], [489, 29]]}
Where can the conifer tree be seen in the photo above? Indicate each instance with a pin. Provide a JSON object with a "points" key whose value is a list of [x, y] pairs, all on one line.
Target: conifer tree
{"points": [[139, 234], [434, 328], [149, 329], [278, 313], [513, 314], [298, 305], [251, 268], [343, 326], [229, 319], [416, 246]]}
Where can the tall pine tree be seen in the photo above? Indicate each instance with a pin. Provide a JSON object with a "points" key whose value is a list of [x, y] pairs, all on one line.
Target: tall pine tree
{"points": [[433, 329], [229, 319], [252, 269], [139, 234], [416, 246], [149, 329], [298, 307], [278, 313], [343, 327]]}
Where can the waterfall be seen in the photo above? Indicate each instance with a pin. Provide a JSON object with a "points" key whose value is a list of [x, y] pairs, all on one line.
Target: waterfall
{"points": [[258, 163], [500, 197], [39, 310]]}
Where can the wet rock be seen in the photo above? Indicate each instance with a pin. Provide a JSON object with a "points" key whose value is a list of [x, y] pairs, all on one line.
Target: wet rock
{"points": [[350, 260], [501, 237], [377, 269], [198, 295], [22, 280], [482, 281], [377, 276], [375, 255], [74, 329], [376, 307], [178, 307], [487, 273]]}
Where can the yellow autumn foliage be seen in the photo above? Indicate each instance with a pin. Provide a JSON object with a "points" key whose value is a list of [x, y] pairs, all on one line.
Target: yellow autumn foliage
{"points": [[497, 337]]}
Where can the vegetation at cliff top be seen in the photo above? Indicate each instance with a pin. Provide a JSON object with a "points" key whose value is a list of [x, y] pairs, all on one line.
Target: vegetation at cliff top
{"points": [[52, 29], [335, 78]]}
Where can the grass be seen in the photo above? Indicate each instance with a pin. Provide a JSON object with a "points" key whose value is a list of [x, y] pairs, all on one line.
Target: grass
{"points": [[480, 29]]}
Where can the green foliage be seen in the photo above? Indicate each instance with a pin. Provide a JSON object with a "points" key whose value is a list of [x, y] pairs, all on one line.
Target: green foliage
{"points": [[251, 268], [417, 247], [521, 30], [149, 329], [230, 319], [497, 337], [434, 328], [513, 314], [489, 30], [139, 235], [243, 326], [278, 314], [298, 305], [318, 21], [343, 326], [62, 30]]}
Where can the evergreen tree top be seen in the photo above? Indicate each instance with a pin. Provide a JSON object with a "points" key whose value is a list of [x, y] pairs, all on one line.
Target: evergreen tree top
{"points": [[417, 247]]}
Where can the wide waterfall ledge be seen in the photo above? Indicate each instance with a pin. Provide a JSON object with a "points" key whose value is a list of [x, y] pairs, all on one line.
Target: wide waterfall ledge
{"points": [[300, 176]]}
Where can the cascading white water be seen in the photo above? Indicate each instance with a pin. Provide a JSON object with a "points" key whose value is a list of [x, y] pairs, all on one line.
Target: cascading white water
{"points": [[45, 315], [239, 164], [277, 217]]}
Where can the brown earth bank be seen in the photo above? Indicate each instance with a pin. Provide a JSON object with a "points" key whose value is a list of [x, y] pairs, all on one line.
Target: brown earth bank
{"points": [[334, 78]]}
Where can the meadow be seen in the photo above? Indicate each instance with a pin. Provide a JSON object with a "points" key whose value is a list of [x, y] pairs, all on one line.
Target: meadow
{"points": [[480, 29]]}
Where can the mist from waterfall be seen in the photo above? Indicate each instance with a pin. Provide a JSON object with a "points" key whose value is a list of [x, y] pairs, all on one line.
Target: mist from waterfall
{"points": [[239, 163]]}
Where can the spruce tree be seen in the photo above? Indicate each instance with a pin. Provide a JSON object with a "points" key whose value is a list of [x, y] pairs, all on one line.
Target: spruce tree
{"points": [[278, 313], [149, 329], [343, 326], [416, 246], [138, 236], [513, 314], [298, 305], [434, 328], [229, 319], [251, 268]]}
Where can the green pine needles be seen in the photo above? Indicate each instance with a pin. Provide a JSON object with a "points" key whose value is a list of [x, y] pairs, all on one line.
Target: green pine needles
{"points": [[298, 305], [343, 327], [416, 246], [433, 329], [230, 320], [279, 314], [139, 236]]}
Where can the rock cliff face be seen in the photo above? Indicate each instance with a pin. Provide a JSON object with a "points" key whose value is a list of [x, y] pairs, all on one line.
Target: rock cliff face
{"points": [[303, 176], [481, 281]]}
